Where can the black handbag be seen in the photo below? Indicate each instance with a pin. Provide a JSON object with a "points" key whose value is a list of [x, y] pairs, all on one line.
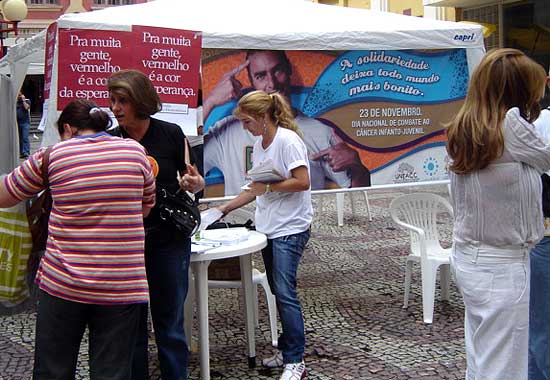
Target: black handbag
{"points": [[178, 211]]}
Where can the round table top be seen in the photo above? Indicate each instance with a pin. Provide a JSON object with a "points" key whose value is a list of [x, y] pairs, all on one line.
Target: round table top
{"points": [[255, 242]]}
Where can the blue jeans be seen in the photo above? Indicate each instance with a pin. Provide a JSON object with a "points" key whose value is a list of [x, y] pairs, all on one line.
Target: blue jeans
{"points": [[60, 325], [539, 312], [281, 258], [24, 143], [167, 265]]}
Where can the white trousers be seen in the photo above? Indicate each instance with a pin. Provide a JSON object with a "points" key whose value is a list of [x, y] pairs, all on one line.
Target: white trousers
{"points": [[495, 287]]}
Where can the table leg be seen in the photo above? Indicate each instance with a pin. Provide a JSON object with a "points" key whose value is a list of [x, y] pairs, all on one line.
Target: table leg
{"points": [[246, 278], [188, 311], [201, 272], [340, 208]]}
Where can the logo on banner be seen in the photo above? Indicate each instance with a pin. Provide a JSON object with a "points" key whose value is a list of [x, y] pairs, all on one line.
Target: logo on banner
{"points": [[464, 37], [405, 173], [430, 166]]}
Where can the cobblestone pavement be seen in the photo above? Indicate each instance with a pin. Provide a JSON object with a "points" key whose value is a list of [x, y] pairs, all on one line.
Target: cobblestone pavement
{"points": [[351, 288]]}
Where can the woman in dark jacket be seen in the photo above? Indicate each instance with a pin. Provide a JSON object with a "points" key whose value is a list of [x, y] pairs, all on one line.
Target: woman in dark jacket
{"points": [[167, 253]]}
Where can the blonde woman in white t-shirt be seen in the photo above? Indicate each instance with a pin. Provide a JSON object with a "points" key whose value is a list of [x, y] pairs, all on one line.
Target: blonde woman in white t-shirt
{"points": [[283, 212]]}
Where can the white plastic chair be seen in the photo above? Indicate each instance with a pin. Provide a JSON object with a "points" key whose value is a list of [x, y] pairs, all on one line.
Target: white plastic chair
{"points": [[258, 278], [418, 213], [340, 206]]}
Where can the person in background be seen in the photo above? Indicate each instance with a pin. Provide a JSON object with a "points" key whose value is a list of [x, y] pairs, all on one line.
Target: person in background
{"points": [[167, 252], [496, 163], [95, 229], [283, 212], [539, 303], [227, 143], [23, 125]]}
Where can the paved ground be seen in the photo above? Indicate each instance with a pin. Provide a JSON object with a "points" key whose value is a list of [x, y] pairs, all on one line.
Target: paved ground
{"points": [[351, 287]]}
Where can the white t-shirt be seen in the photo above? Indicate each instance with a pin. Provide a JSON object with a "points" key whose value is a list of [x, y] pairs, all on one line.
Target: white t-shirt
{"points": [[281, 214], [229, 148]]}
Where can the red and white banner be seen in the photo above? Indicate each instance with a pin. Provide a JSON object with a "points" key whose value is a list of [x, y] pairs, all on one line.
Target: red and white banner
{"points": [[169, 57]]}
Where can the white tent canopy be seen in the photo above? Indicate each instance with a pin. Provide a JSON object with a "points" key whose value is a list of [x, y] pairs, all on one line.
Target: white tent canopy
{"points": [[297, 25], [283, 24], [263, 24]]}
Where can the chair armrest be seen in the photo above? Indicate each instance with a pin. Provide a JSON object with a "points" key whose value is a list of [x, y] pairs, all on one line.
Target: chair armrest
{"points": [[421, 233], [421, 236]]}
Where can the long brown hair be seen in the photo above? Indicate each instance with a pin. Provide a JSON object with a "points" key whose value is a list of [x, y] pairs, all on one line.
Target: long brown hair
{"points": [[256, 104], [504, 79]]}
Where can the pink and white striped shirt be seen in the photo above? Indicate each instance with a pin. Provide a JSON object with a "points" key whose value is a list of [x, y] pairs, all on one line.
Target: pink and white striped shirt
{"points": [[95, 250]]}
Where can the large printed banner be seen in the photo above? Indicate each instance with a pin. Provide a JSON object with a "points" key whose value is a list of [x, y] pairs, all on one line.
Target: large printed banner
{"points": [[169, 57], [370, 117]]}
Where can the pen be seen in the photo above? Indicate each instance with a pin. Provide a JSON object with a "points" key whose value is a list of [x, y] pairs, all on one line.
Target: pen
{"points": [[208, 243]]}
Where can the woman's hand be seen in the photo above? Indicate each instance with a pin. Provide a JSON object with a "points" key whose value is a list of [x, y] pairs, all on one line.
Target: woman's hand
{"points": [[257, 188], [192, 180], [223, 209]]}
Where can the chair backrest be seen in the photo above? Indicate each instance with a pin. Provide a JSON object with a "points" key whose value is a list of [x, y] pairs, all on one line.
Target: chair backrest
{"points": [[420, 210]]}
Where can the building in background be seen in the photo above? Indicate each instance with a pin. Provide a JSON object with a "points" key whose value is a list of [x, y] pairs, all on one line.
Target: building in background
{"points": [[519, 24], [405, 7]]}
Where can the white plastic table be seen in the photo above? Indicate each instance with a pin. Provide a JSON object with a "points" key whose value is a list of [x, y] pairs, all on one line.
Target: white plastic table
{"points": [[199, 266]]}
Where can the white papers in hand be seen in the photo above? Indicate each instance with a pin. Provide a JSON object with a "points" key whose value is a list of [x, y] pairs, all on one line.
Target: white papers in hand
{"points": [[265, 172], [209, 216]]}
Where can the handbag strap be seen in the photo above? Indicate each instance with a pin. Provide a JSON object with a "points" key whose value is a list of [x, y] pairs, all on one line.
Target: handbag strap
{"points": [[44, 166], [186, 154]]}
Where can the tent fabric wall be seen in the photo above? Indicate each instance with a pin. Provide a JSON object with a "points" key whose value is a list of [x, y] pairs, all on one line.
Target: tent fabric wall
{"points": [[8, 126]]}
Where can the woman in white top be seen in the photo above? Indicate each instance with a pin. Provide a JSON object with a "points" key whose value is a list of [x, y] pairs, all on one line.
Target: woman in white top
{"points": [[497, 159], [283, 212]]}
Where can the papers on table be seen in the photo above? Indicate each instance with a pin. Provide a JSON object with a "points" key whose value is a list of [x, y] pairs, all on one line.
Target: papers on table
{"points": [[264, 172], [210, 239], [200, 248], [225, 236]]}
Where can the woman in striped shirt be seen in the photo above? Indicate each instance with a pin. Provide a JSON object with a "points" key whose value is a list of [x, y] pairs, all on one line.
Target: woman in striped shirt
{"points": [[93, 272]]}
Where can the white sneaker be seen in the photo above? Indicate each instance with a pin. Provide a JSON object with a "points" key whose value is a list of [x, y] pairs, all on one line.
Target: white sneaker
{"points": [[273, 361], [294, 371]]}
